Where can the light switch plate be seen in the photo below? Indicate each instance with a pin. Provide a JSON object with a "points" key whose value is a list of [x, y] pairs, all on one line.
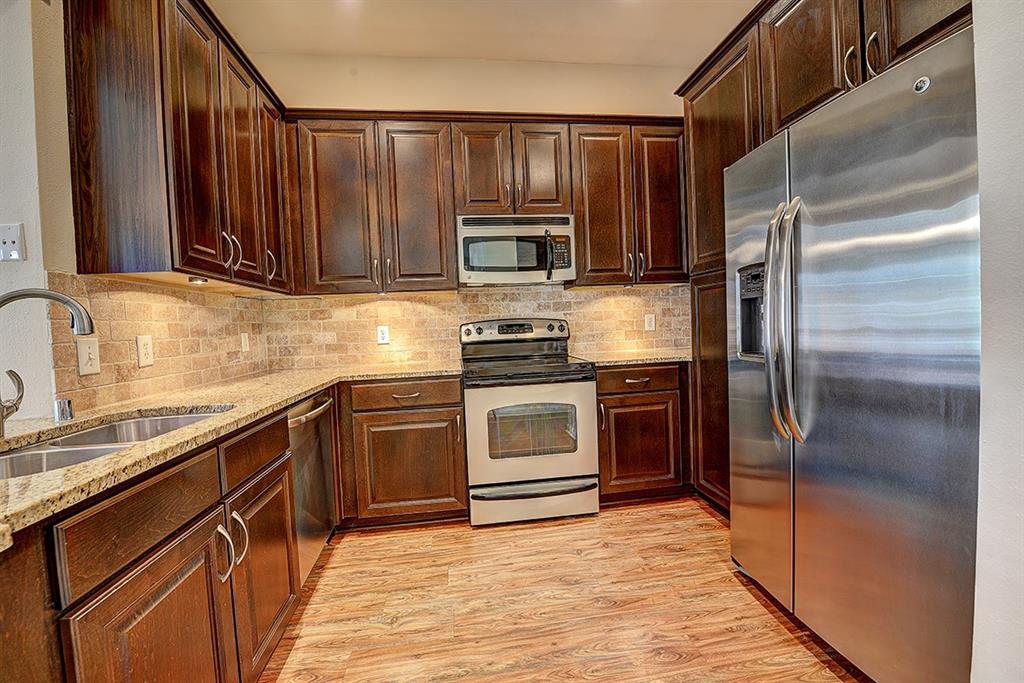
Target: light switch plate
{"points": [[383, 334], [144, 346], [12, 242], [88, 356], [245, 342], [649, 322]]}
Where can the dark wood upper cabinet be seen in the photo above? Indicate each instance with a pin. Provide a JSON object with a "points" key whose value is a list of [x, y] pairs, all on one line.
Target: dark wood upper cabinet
{"points": [[417, 211], [240, 113], [709, 386], [410, 462], [482, 160], [266, 576], [192, 51], [603, 200], [809, 55], [640, 443], [169, 619], [340, 215], [722, 120], [277, 263], [660, 202], [897, 29], [541, 153]]}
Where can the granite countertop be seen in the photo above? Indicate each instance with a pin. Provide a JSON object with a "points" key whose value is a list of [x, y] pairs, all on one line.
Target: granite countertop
{"points": [[612, 358], [32, 498]]}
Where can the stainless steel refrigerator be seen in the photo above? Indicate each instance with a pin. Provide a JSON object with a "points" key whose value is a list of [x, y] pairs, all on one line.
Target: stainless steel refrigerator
{"points": [[854, 347]]}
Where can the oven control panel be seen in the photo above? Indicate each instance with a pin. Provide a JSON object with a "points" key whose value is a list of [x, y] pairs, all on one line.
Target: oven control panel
{"points": [[518, 328]]}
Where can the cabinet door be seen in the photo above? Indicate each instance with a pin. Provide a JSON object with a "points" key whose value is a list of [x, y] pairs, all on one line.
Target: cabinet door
{"points": [[240, 109], [340, 216], [809, 55], [276, 264], [640, 443], [897, 29], [722, 120], [603, 189], [168, 620], [541, 154], [658, 191], [710, 388], [482, 156], [266, 577], [410, 462], [418, 220], [192, 97]]}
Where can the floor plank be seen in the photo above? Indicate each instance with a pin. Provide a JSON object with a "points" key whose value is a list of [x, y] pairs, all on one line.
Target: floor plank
{"points": [[637, 593]]}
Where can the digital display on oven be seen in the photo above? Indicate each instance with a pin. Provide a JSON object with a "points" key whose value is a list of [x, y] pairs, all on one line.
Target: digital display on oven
{"points": [[515, 328]]}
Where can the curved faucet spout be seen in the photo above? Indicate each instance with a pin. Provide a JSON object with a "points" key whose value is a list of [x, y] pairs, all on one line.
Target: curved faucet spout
{"points": [[81, 321]]}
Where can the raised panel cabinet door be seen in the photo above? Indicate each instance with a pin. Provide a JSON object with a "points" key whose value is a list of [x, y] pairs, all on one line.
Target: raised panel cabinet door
{"points": [[660, 200], [266, 577], [418, 218], [541, 155], [897, 29], [410, 462], [603, 199], [722, 120], [240, 114], [200, 240], [482, 158], [710, 388], [168, 620], [810, 54], [276, 264], [640, 445], [340, 215]]}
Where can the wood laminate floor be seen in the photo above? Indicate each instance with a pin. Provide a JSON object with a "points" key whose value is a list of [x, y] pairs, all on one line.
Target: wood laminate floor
{"points": [[639, 593]]}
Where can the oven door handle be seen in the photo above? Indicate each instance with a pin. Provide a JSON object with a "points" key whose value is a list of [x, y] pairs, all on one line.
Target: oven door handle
{"points": [[549, 247], [578, 488]]}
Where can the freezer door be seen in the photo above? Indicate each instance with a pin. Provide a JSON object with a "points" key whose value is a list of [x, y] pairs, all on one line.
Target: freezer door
{"points": [[759, 454], [886, 363]]}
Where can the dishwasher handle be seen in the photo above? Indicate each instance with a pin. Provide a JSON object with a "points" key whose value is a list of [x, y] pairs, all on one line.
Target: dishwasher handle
{"points": [[311, 415]]}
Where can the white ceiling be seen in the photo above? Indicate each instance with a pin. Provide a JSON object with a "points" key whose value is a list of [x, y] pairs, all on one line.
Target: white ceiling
{"points": [[659, 33]]}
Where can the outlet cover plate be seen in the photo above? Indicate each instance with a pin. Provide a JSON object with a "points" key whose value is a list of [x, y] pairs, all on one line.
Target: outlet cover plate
{"points": [[144, 346], [12, 242], [650, 322], [383, 334], [245, 342], [88, 356]]}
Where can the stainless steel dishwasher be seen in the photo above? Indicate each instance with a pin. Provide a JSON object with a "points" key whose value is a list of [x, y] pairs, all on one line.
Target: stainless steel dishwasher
{"points": [[311, 437]]}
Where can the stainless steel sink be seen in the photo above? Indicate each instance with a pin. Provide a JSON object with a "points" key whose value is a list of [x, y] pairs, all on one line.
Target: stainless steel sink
{"points": [[44, 458], [130, 431]]}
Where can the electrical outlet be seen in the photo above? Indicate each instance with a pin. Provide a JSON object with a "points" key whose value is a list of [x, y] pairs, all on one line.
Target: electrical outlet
{"points": [[383, 334], [12, 242], [245, 342], [649, 322], [88, 356], [144, 345]]}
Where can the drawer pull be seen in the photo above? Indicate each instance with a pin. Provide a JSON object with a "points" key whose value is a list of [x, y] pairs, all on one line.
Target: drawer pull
{"points": [[231, 553], [399, 397], [642, 380]]}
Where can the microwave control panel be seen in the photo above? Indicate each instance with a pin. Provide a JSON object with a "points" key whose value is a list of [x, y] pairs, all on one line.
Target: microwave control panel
{"points": [[563, 252]]}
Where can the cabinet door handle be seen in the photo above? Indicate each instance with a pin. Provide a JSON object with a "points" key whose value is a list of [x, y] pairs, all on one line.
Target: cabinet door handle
{"points": [[239, 245], [458, 428], [508, 193], [604, 416], [643, 264], [231, 250], [387, 270], [846, 63], [399, 397], [519, 194], [231, 553], [245, 530], [375, 271], [867, 53], [641, 380], [271, 262], [629, 261]]}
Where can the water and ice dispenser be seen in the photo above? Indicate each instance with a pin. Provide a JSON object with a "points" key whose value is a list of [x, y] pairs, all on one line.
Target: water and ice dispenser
{"points": [[750, 285]]}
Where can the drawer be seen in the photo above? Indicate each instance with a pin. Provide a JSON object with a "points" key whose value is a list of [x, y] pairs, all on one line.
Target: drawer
{"points": [[635, 378], [246, 454], [96, 543], [407, 394]]}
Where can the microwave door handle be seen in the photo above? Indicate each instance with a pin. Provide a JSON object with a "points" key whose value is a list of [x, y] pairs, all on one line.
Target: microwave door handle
{"points": [[549, 246]]}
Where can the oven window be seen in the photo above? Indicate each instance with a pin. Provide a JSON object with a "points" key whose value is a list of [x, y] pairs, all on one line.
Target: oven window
{"points": [[504, 254], [530, 429]]}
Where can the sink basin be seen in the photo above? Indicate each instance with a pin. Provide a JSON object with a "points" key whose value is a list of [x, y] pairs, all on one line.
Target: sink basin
{"points": [[130, 431], [38, 459]]}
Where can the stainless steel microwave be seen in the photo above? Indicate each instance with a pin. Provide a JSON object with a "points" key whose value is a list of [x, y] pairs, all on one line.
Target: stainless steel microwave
{"points": [[516, 250]]}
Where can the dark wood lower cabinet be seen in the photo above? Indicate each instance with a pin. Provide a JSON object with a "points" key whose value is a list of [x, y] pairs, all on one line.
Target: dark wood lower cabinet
{"points": [[265, 581], [168, 620], [640, 443]]}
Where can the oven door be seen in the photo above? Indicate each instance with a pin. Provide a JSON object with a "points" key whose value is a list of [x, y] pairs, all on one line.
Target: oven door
{"points": [[531, 432], [516, 256]]}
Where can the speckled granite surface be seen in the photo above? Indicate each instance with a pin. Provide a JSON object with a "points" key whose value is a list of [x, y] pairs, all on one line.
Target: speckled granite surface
{"points": [[29, 499], [612, 358]]}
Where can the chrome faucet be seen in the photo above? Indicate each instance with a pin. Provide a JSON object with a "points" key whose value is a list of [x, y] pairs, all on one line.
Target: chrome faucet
{"points": [[81, 323]]}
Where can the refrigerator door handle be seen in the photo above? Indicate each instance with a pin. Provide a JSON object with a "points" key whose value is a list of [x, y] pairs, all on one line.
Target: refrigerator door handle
{"points": [[771, 348], [785, 319]]}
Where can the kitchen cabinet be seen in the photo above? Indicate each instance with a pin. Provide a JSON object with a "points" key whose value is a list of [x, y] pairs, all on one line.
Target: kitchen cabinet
{"points": [[722, 121], [169, 619], [417, 215], [709, 388], [265, 580], [482, 160], [277, 264], [660, 203], [541, 156], [897, 29]]}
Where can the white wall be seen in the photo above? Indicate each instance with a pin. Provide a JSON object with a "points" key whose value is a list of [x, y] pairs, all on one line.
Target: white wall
{"points": [[396, 83], [999, 592]]}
